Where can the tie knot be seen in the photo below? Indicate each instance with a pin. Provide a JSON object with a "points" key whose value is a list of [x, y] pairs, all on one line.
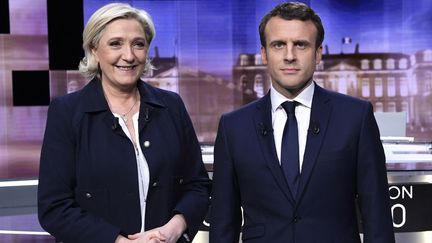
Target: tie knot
{"points": [[289, 106]]}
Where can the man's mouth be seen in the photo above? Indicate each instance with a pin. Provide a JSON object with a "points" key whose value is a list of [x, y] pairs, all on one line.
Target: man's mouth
{"points": [[290, 70]]}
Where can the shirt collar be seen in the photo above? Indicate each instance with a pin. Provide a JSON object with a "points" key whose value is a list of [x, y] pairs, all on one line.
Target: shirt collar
{"points": [[304, 98]]}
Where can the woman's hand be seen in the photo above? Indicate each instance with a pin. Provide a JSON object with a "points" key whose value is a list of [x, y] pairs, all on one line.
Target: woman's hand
{"points": [[168, 233], [151, 236]]}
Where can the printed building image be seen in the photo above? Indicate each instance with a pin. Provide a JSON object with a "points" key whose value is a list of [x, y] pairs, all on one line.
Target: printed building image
{"points": [[205, 95], [422, 73], [392, 82], [250, 75]]}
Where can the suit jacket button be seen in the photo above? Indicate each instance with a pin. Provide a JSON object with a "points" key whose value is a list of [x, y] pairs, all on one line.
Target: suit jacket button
{"points": [[155, 184], [296, 219], [88, 195], [181, 181]]}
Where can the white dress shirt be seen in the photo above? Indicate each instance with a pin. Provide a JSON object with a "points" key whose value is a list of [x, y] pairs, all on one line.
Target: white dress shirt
{"points": [[302, 113], [143, 169]]}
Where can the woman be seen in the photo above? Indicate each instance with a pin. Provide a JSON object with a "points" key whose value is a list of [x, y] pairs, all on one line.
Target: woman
{"points": [[120, 160]]}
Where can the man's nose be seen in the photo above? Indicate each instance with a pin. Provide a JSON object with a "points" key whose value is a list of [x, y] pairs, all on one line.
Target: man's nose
{"points": [[289, 55]]}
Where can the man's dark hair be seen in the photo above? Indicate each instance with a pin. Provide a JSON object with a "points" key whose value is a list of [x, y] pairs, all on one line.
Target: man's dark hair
{"points": [[293, 11]]}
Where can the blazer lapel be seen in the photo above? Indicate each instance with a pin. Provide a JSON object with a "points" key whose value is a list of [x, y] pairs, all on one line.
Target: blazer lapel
{"points": [[264, 130], [151, 104], [320, 114], [94, 101]]}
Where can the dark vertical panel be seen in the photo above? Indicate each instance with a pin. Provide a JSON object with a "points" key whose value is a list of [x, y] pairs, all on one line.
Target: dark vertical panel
{"points": [[65, 25], [30, 88], [4, 17]]}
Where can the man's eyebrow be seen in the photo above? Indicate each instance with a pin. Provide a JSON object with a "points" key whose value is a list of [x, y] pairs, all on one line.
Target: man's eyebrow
{"points": [[301, 42], [277, 42]]}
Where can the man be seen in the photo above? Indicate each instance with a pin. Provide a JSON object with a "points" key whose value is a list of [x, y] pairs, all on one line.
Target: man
{"points": [[333, 140]]}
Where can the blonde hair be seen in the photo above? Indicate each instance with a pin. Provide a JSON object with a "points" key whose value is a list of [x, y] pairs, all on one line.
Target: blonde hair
{"points": [[95, 28]]}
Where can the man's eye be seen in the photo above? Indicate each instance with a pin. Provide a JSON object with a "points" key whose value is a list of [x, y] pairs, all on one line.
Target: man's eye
{"points": [[301, 45], [278, 45]]}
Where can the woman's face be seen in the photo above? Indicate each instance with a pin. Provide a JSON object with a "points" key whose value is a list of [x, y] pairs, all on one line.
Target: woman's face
{"points": [[121, 53]]}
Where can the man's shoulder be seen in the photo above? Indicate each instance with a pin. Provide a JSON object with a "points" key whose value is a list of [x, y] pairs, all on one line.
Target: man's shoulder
{"points": [[245, 110], [340, 99]]}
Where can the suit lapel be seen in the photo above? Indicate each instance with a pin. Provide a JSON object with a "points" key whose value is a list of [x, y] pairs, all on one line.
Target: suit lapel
{"points": [[264, 129], [320, 114]]}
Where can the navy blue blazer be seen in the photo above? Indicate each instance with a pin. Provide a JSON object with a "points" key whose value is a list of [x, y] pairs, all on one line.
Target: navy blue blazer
{"points": [[344, 164], [88, 180]]}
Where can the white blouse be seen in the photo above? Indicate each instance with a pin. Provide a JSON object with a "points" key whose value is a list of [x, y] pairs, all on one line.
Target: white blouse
{"points": [[143, 169]]}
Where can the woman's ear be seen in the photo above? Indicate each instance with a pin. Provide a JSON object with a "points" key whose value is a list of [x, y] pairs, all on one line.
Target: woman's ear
{"points": [[95, 53]]}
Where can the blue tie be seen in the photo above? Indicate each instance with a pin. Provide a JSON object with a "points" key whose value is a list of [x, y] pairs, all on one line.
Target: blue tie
{"points": [[290, 148]]}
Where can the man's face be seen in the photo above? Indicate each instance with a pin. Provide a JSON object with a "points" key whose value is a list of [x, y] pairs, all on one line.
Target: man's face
{"points": [[290, 54]]}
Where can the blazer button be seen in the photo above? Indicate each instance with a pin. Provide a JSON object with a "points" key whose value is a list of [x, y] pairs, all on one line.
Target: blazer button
{"points": [[181, 181], [88, 195], [296, 219], [155, 184], [146, 144]]}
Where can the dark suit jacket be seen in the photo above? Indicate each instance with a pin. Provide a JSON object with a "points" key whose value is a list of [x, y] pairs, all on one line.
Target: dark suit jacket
{"points": [[343, 163], [88, 186]]}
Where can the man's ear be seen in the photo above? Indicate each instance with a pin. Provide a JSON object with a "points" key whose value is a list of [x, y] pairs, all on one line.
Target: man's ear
{"points": [[318, 55], [263, 55]]}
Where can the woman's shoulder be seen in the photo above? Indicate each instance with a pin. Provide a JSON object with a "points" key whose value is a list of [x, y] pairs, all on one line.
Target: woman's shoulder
{"points": [[75, 104], [68, 100], [165, 97]]}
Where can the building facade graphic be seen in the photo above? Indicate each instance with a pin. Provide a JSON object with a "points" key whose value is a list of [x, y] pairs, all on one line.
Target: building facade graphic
{"points": [[392, 82]]}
